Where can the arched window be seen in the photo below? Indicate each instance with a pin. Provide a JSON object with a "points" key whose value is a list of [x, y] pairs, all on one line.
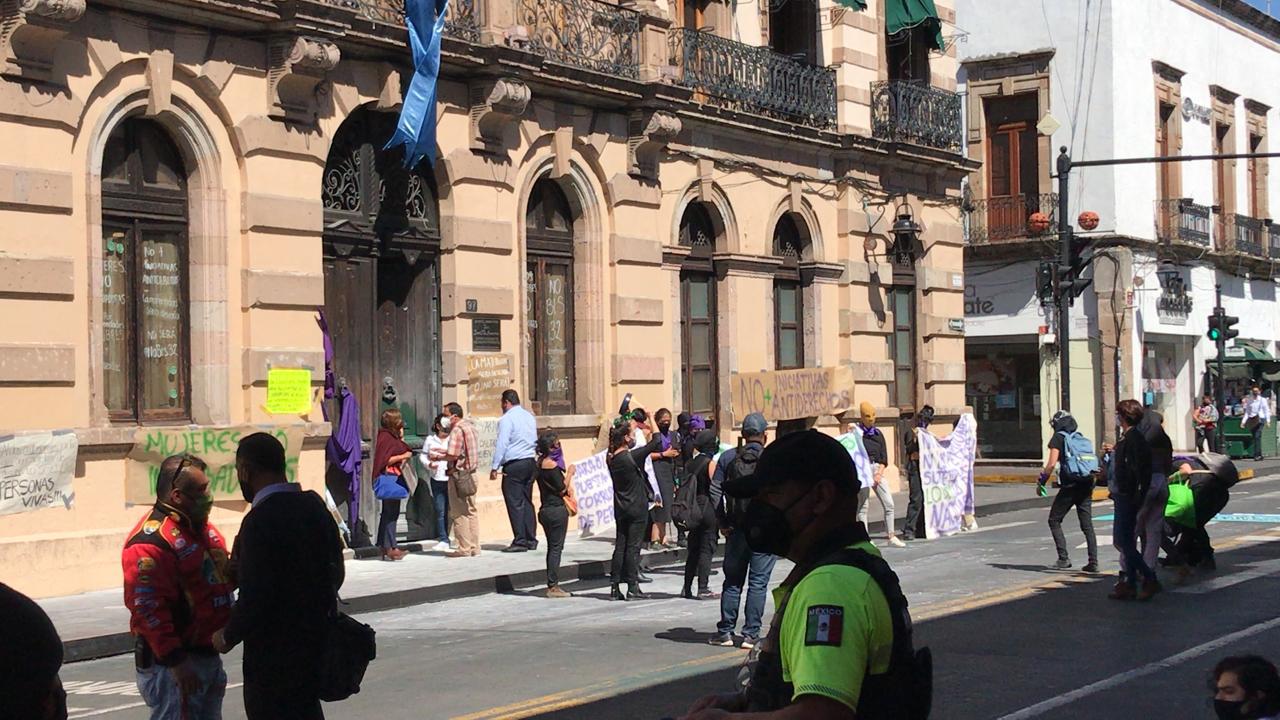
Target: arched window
{"points": [[145, 286], [698, 329], [789, 244], [549, 294]]}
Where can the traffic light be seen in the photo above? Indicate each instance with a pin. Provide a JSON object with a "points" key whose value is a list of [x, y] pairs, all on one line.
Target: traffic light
{"points": [[1222, 326], [1228, 324], [1045, 281], [1070, 277]]}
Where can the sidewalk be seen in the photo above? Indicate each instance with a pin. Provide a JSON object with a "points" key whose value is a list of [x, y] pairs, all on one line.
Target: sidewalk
{"points": [[95, 624]]}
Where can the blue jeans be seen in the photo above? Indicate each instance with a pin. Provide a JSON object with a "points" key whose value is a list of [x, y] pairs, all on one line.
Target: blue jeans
{"points": [[1124, 534], [440, 495], [740, 564], [160, 691]]}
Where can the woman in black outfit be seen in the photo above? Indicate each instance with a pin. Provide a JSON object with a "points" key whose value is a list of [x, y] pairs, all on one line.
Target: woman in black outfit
{"points": [[664, 469], [631, 497], [703, 528], [553, 515]]}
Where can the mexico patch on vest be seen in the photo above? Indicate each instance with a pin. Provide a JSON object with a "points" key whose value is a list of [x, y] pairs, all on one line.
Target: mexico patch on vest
{"points": [[824, 625]]}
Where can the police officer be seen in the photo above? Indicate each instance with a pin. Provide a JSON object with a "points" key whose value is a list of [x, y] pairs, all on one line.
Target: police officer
{"points": [[840, 642]]}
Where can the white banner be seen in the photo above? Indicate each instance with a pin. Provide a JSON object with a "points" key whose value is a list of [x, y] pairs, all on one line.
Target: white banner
{"points": [[593, 487], [946, 473], [36, 471], [852, 441]]}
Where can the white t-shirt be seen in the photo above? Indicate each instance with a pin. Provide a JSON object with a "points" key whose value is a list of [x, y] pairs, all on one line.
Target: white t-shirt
{"points": [[435, 442]]}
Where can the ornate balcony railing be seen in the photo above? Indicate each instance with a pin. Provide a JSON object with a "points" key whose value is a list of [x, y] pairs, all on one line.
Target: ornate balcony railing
{"points": [[753, 79], [916, 113], [460, 22], [1273, 234], [1003, 219], [1242, 234], [589, 34], [1180, 220]]}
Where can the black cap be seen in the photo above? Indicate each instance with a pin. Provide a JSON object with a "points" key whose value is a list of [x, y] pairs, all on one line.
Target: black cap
{"points": [[707, 442], [807, 456]]}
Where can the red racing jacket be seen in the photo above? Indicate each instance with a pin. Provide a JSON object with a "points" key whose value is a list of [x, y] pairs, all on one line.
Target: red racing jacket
{"points": [[176, 583]]}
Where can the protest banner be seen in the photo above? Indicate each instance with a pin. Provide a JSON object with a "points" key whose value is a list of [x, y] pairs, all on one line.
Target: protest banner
{"points": [[946, 474], [488, 376], [36, 471], [216, 446], [793, 394], [852, 442], [593, 487], [486, 443], [288, 391]]}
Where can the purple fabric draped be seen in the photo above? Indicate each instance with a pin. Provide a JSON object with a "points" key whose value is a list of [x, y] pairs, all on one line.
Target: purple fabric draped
{"points": [[557, 454], [329, 384], [697, 422], [343, 450], [666, 439]]}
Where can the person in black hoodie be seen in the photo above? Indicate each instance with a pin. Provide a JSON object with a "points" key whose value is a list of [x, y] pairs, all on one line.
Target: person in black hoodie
{"points": [[703, 528], [288, 563], [631, 497], [1128, 479], [913, 524]]}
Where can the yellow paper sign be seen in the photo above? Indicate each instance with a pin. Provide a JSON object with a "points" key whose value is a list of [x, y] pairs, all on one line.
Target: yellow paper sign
{"points": [[288, 391]]}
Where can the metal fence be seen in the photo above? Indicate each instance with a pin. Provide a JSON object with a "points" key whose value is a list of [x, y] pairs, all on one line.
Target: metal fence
{"points": [[589, 34], [1003, 219], [916, 113], [461, 20], [1242, 234], [1180, 220]]}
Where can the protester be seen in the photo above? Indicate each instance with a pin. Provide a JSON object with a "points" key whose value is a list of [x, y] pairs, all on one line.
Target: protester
{"points": [[741, 564], [913, 523], [178, 592], [1205, 418], [553, 486], [389, 455], [437, 464], [683, 444], [1245, 687], [833, 633], [288, 560], [631, 497], [1128, 480], [664, 469], [462, 454], [878, 453], [1151, 513], [30, 657], [514, 454], [1257, 415], [639, 427], [1209, 477], [1073, 456], [703, 528]]}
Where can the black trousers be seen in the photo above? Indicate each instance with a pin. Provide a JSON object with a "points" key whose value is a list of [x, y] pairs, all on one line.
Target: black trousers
{"points": [[263, 702], [387, 524], [626, 549], [702, 546], [913, 523], [555, 523], [1079, 495], [420, 511], [1206, 437], [517, 491], [1256, 445]]}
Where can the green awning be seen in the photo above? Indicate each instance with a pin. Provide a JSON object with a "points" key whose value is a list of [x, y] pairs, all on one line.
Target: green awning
{"points": [[906, 14], [853, 4]]}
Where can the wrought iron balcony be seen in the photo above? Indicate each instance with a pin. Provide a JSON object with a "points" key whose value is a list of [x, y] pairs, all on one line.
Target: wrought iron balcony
{"points": [[588, 34], [1241, 234], [916, 113], [753, 79], [1004, 219], [460, 22], [1182, 221]]}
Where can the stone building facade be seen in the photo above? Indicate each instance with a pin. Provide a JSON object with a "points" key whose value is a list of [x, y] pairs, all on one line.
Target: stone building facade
{"points": [[627, 198]]}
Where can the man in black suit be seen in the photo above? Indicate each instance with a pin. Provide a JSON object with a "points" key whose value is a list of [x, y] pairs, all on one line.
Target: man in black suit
{"points": [[288, 561]]}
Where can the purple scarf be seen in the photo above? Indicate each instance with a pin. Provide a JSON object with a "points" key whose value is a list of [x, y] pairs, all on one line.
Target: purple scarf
{"points": [[666, 440], [696, 423], [869, 431], [557, 454]]}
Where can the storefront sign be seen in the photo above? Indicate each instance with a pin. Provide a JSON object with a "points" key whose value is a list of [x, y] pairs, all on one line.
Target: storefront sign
{"points": [[793, 394], [488, 376], [486, 334], [1174, 304], [36, 471], [946, 473], [1193, 111], [216, 446]]}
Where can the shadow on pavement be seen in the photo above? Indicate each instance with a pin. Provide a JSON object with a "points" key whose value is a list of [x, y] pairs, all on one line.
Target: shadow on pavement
{"points": [[684, 635]]}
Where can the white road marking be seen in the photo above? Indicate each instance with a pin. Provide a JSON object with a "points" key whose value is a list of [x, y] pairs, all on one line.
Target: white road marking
{"points": [[1002, 526], [1257, 570], [1260, 538], [1067, 698], [82, 713]]}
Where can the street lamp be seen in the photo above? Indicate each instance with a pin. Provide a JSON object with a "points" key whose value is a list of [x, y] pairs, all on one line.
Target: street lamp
{"points": [[906, 234]]}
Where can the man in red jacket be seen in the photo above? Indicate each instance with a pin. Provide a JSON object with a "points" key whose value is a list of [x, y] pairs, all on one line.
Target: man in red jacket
{"points": [[178, 591]]}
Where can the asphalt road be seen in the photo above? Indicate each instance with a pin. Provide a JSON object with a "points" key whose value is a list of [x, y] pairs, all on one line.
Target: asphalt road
{"points": [[1011, 639]]}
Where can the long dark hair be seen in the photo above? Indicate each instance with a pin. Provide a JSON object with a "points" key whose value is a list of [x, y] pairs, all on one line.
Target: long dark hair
{"points": [[619, 436], [1257, 676], [546, 443]]}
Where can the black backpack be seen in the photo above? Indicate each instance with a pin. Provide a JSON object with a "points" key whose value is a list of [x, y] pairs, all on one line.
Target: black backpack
{"points": [[349, 647], [743, 465], [687, 507]]}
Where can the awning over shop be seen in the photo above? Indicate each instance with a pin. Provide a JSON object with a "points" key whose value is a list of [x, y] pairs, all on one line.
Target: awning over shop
{"points": [[853, 4], [906, 14], [1246, 361]]}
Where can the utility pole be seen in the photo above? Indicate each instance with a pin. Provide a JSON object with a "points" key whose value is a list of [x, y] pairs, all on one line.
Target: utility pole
{"points": [[1062, 286], [1220, 387]]}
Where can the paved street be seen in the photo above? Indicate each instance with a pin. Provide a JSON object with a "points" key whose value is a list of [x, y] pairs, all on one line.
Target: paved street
{"points": [[1010, 638]]}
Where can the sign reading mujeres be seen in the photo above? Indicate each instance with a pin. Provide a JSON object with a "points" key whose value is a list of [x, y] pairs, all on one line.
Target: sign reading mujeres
{"points": [[216, 446]]}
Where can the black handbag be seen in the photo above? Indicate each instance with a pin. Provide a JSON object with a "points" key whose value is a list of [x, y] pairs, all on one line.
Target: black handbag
{"points": [[349, 647]]}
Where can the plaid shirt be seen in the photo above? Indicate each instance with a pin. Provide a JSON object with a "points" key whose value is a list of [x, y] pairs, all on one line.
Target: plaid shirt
{"points": [[462, 446]]}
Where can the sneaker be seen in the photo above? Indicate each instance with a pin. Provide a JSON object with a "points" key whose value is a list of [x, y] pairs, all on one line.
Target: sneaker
{"points": [[1091, 568], [443, 545], [616, 594], [896, 541], [708, 594], [749, 642], [1062, 564], [721, 639], [1122, 591], [1149, 589], [555, 592], [636, 593]]}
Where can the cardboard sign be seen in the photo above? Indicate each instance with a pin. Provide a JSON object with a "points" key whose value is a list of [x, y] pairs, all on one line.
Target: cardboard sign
{"points": [[36, 471], [946, 474], [288, 391], [216, 446], [793, 394], [594, 489], [487, 377]]}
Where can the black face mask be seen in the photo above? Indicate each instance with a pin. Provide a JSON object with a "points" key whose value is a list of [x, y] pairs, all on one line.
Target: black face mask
{"points": [[664, 428], [767, 528], [1229, 709]]}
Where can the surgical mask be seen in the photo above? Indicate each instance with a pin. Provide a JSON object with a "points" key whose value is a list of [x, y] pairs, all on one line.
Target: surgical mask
{"points": [[446, 422], [1229, 709], [767, 528]]}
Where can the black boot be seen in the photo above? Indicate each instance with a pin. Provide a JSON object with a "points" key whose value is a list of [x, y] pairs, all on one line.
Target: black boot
{"points": [[616, 594], [644, 578], [635, 593], [687, 593]]}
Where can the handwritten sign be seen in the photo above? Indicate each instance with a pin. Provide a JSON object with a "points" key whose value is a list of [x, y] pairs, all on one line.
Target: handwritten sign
{"points": [[946, 474], [288, 391], [486, 443], [861, 461], [487, 377], [594, 489], [216, 446], [36, 471], [793, 394]]}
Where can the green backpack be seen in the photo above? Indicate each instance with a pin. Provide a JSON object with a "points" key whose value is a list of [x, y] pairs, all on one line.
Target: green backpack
{"points": [[1181, 507]]}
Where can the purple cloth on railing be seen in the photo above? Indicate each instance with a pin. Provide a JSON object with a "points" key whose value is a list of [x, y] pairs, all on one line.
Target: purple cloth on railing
{"points": [[343, 450]]}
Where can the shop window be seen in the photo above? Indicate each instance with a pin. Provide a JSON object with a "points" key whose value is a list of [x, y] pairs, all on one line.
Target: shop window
{"points": [[698, 327], [145, 285], [793, 30], [902, 347], [788, 295], [549, 298]]}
